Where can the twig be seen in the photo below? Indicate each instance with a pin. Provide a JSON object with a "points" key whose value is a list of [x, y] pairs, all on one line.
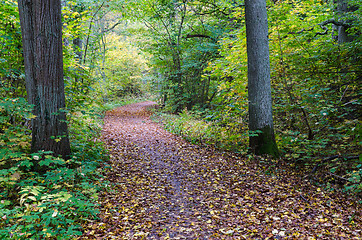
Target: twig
{"points": [[197, 36], [340, 100], [332, 158], [323, 161], [350, 102], [301, 196], [310, 131], [335, 175], [111, 28]]}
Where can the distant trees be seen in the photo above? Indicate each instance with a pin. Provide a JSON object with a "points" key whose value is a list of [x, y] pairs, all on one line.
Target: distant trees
{"points": [[262, 140], [42, 43], [185, 38]]}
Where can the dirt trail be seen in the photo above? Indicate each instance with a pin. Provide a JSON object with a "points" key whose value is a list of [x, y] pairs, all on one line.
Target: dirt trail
{"points": [[166, 188]]}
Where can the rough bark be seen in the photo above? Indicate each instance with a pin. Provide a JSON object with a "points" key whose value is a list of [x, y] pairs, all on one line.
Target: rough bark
{"points": [[42, 41], [262, 139]]}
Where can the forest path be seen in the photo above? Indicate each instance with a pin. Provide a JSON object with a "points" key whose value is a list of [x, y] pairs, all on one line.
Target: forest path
{"points": [[166, 188]]}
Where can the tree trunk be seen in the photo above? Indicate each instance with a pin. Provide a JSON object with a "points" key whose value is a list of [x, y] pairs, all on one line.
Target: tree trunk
{"points": [[42, 41], [343, 8], [262, 139], [78, 45]]}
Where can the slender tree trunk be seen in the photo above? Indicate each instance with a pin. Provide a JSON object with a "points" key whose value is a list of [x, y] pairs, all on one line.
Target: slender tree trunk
{"points": [[42, 41], [78, 44], [262, 140]]}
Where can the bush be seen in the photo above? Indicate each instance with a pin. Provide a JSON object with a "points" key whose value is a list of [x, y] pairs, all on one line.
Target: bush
{"points": [[192, 127], [53, 203]]}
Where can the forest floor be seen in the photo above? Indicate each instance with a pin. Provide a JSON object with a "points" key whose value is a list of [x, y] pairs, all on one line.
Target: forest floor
{"points": [[166, 188]]}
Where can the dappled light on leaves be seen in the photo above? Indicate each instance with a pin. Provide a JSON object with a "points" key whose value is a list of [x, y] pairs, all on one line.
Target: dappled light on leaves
{"points": [[163, 187]]}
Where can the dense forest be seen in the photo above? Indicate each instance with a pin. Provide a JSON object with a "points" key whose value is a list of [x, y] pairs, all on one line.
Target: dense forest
{"points": [[279, 84]]}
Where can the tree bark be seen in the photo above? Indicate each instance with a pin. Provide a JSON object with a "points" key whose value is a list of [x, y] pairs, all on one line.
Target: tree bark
{"points": [[42, 41], [342, 34], [343, 8], [262, 139]]}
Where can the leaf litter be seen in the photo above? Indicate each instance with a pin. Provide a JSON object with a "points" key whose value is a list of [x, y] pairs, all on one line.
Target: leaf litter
{"points": [[166, 188]]}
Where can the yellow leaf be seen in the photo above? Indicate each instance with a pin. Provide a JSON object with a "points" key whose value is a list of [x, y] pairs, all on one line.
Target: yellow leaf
{"points": [[55, 213]]}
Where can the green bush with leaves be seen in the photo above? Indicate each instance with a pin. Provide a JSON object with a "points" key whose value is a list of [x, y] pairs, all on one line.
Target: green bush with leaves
{"points": [[15, 114], [193, 127], [11, 59], [42, 196]]}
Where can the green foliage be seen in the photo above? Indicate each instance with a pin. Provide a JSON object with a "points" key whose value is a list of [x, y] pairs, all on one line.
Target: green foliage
{"points": [[77, 79], [124, 72], [11, 60], [39, 204], [14, 135], [102, 108], [315, 85], [180, 44], [196, 59], [191, 126]]}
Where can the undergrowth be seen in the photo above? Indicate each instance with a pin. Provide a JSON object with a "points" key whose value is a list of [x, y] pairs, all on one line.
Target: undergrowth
{"points": [[119, 102], [193, 128], [334, 169], [49, 204]]}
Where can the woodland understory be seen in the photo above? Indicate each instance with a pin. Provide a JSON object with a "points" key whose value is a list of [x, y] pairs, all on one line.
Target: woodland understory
{"points": [[156, 128]]}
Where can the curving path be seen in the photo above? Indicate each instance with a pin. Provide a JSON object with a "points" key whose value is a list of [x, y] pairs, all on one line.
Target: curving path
{"points": [[166, 188]]}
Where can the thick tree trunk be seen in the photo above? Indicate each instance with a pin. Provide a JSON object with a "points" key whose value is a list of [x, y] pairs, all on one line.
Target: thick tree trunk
{"points": [[262, 140], [42, 40]]}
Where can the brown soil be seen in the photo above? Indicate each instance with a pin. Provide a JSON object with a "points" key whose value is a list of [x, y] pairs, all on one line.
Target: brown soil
{"points": [[166, 188]]}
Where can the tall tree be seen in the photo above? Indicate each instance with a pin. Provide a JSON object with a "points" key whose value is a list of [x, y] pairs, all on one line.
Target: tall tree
{"points": [[41, 28], [262, 139]]}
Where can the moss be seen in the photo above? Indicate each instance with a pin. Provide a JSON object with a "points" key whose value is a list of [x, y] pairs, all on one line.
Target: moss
{"points": [[264, 142]]}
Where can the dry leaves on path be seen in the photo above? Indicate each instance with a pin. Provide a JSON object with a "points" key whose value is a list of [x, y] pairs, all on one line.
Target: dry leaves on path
{"points": [[166, 188]]}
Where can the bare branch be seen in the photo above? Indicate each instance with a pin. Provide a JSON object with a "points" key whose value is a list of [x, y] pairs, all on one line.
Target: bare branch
{"points": [[322, 25], [111, 28], [335, 175], [197, 36], [335, 22]]}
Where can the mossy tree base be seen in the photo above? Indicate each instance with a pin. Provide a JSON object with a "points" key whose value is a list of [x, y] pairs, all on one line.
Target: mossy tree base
{"points": [[263, 142]]}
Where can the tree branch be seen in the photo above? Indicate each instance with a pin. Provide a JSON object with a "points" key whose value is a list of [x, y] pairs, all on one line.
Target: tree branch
{"points": [[111, 28], [197, 36], [335, 175], [323, 25], [335, 22], [89, 31]]}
